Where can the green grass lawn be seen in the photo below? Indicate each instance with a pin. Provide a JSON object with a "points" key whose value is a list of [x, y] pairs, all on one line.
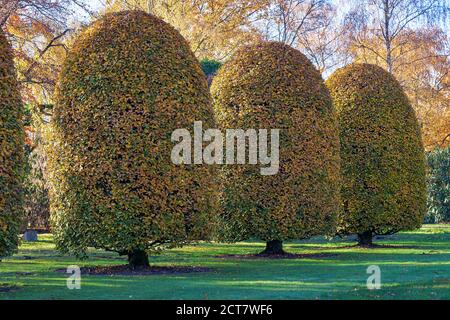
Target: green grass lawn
{"points": [[418, 270]]}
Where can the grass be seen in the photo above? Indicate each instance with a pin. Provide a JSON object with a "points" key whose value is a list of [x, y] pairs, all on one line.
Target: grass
{"points": [[420, 269]]}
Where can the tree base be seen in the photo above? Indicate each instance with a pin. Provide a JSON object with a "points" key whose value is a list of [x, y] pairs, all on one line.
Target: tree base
{"points": [[365, 239], [138, 259], [274, 247]]}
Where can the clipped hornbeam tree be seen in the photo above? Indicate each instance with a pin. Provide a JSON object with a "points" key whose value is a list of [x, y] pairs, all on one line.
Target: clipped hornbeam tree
{"points": [[383, 161], [129, 81], [12, 140], [273, 86]]}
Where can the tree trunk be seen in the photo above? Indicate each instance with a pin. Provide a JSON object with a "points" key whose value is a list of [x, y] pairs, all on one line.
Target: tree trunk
{"points": [[138, 259], [365, 239], [274, 247], [387, 35]]}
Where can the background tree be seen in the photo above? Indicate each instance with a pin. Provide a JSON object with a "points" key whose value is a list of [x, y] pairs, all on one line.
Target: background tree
{"points": [[383, 164], [129, 81], [424, 73], [213, 28], [311, 26], [285, 20], [38, 31], [324, 47], [271, 85], [387, 20], [422, 67], [216, 28], [11, 152], [404, 37]]}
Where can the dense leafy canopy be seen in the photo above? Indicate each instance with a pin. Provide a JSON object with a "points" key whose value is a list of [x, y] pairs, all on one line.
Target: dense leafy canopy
{"points": [[12, 140], [383, 165], [129, 81], [272, 86], [438, 186]]}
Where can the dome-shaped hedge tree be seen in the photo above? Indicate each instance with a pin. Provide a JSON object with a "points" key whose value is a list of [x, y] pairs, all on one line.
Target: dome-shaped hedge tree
{"points": [[272, 86], [12, 140], [383, 162], [128, 83]]}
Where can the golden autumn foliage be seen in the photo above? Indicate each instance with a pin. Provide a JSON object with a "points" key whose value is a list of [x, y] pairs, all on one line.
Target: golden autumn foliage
{"points": [[272, 86], [383, 164], [39, 31], [11, 152], [420, 63], [128, 82], [213, 28]]}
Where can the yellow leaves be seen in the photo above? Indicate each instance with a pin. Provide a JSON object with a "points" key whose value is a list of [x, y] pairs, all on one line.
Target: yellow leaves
{"points": [[255, 90], [11, 152], [213, 28], [383, 165], [420, 65], [114, 116]]}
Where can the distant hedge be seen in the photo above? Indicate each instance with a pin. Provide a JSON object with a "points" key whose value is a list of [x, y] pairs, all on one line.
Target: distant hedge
{"points": [[273, 86], [210, 67], [12, 139], [438, 179], [383, 164], [129, 81]]}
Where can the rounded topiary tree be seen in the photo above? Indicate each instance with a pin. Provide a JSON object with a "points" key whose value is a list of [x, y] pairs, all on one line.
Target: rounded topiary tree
{"points": [[272, 86], [128, 83], [12, 141], [383, 162]]}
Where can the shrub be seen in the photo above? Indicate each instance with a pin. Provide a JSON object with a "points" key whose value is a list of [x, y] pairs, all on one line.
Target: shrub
{"points": [[438, 186], [128, 82], [210, 68], [382, 154], [272, 86], [12, 140]]}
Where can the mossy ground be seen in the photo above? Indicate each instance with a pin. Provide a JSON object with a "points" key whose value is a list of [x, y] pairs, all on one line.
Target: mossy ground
{"points": [[418, 269]]}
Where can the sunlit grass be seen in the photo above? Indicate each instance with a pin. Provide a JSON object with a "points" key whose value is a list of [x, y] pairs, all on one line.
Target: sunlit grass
{"points": [[419, 269]]}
